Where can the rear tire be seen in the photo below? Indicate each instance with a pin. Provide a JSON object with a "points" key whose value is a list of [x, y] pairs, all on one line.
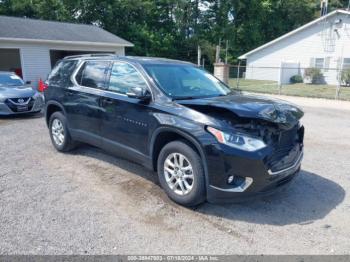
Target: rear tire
{"points": [[59, 133], [181, 174]]}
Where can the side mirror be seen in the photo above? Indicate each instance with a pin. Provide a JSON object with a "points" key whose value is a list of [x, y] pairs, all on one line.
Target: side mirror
{"points": [[139, 93], [28, 82]]}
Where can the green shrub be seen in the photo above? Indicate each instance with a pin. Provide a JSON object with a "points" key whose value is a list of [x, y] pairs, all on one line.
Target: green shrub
{"points": [[296, 79], [314, 75], [345, 76]]}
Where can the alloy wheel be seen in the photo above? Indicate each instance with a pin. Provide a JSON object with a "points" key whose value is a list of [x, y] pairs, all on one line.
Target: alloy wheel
{"points": [[57, 131], [178, 173]]}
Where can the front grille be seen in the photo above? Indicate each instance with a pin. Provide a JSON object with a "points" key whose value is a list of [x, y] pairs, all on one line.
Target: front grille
{"points": [[288, 138], [15, 103], [278, 155], [286, 149], [20, 101]]}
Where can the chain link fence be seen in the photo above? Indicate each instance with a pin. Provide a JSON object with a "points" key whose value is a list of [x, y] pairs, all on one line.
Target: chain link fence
{"points": [[291, 79]]}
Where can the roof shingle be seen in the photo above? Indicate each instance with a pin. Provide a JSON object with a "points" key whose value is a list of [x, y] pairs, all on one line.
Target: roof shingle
{"points": [[32, 29]]}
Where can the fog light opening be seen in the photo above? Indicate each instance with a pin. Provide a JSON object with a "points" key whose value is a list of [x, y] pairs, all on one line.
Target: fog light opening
{"points": [[238, 183], [230, 180], [235, 180]]}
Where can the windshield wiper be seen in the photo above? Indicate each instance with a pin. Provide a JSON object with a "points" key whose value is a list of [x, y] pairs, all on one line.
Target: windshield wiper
{"points": [[12, 85], [185, 97], [197, 97]]}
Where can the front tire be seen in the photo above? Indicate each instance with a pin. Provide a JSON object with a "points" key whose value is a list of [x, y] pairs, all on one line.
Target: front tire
{"points": [[59, 133], [181, 174]]}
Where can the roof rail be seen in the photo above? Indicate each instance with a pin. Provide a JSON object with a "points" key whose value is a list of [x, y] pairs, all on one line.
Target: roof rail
{"points": [[91, 55]]}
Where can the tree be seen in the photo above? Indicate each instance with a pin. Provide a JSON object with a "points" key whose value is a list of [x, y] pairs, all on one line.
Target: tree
{"points": [[174, 28], [48, 9]]}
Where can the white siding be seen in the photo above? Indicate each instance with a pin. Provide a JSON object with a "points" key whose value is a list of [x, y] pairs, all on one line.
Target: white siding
{"points": [[35, 58], [35, 63], [301, 48]]}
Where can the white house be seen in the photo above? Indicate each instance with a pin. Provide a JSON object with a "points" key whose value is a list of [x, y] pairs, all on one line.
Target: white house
{"points": [[323, 43], [31, 47]]}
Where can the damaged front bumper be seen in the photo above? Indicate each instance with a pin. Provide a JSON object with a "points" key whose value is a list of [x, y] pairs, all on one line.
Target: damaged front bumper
{"points": [[290, 169], [255, 172]]}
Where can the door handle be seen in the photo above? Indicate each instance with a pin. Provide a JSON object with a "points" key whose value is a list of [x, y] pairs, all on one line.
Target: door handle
{"points": [[107, 101], [70, 93]]}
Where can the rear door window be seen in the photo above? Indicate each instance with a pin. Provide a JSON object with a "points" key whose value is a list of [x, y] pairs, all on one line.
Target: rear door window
{"points": [[93, 74]]}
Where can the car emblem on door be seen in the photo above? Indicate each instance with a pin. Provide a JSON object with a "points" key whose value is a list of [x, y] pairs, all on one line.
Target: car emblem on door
{"points": [[20, 100]]}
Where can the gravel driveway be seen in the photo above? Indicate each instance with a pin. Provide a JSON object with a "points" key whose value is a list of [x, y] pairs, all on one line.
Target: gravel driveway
{"points": [[88, 202]]}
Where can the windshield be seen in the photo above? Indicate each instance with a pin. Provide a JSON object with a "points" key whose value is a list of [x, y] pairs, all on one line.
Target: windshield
{"points": [[186, 82], [10, 80]]}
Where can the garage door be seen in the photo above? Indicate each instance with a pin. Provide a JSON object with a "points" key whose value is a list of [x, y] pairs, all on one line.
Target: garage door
{"points": [[10, 60]]}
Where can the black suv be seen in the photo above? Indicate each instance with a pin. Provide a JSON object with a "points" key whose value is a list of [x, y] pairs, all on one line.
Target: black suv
{"points": [[206, 141]]}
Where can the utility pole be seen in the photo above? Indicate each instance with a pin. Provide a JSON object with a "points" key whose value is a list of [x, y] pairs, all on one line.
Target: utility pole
{"points": [[199, 55], [348, 6], [217, 54], [226, 52], [324, 7], [337, 92], [238, 74]]}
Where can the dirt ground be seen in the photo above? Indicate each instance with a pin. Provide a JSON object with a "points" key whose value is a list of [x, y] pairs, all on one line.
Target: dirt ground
{"points": [[89, 202]]}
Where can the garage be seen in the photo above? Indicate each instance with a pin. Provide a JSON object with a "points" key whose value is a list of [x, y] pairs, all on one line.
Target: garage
{"points": [[10, 60], [31, 47]]}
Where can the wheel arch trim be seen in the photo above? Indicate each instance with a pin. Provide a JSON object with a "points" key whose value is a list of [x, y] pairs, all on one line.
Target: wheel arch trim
{"points": [[53, 103], [186, 136]]}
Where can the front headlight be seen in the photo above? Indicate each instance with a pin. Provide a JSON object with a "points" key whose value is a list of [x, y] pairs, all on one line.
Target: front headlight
{"points": [[2, 98], [238, 141]]}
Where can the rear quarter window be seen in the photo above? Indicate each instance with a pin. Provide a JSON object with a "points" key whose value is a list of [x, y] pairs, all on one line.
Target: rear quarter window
{"points": [[93, 74], [61, 73]]}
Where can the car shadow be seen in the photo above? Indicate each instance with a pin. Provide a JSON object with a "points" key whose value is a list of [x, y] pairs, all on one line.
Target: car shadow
{"points": [[134, 168], [27, 116], [308, 198]]}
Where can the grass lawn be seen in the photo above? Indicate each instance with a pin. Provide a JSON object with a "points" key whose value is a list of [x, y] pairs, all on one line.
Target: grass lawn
{"points": [[306, 90]]}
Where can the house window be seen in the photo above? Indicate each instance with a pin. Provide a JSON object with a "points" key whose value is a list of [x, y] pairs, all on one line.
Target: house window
{"points": [[346, 63], [319, 63]]}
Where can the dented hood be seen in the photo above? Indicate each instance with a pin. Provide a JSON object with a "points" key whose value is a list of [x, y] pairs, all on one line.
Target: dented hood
{"points": [[249, 106]]}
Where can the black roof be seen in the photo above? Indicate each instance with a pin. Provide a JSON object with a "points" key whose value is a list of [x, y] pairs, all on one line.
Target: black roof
{"points": [[33, 29], [137, 59]]}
